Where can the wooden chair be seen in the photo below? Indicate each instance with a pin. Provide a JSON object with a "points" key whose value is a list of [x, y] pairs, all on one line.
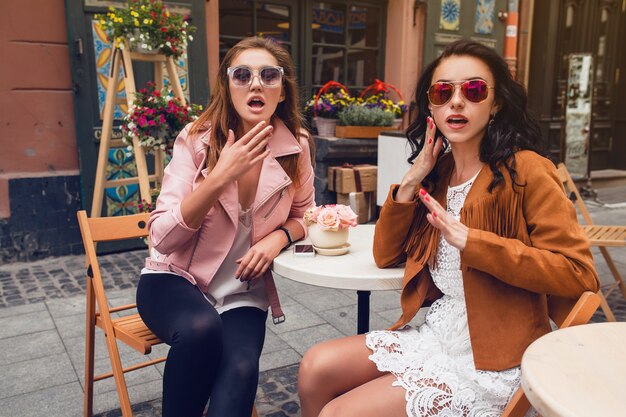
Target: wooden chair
{"points": [[600, 236], [130, 328], [564, 312]]}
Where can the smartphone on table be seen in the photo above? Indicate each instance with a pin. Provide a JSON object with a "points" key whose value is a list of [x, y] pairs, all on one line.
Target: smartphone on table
{"points": [[301, 249]]}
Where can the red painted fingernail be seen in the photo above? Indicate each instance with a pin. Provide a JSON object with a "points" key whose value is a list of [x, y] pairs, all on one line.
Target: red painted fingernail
{"points": [[423, 191], [434, 214], [427, 198], [430, 140]]}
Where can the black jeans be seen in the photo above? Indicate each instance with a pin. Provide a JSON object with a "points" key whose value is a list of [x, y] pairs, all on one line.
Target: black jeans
{"points": [[211, 356]]}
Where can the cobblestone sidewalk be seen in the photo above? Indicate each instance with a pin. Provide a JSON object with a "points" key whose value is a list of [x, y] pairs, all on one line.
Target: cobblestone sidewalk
{"points": [[318, 314]]}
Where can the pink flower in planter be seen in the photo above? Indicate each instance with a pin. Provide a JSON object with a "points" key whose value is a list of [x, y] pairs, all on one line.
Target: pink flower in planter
{"points": [[347, 217], [331, 217], [328, 219]]}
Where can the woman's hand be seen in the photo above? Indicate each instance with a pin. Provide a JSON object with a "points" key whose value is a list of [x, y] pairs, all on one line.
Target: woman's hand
{"points": [[239, 157], [259, 257], [452, 230], [422, 165]]}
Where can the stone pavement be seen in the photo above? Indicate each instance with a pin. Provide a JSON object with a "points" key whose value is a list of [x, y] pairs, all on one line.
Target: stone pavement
{"points": [[42, 331]]}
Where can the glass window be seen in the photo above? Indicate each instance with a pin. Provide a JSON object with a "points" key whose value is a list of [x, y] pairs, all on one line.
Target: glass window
{"points": [[363, 26], [346, 38], [342, 40], [362, 64], [328, 23], [327, 64], [273, 21], [236, 18], [240, 19]]}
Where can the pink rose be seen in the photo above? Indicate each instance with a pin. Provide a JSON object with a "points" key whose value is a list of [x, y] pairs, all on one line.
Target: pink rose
{"points": [[310, 216], [347, 217], [328, 219]]}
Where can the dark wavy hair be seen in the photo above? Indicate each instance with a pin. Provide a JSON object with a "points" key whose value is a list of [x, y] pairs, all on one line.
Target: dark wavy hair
{"points": [[512, 129]]}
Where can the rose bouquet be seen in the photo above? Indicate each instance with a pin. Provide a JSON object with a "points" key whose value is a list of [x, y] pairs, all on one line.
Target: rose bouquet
{"points": [[328, 227], [331, 217]]}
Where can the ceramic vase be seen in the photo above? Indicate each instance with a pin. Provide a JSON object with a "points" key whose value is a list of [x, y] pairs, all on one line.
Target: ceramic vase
{"points": [[328, 239]]}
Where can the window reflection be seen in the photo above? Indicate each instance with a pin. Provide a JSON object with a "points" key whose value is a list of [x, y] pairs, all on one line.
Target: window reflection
{"points": [[362, 67], [236, 18], [363, 26], [329, 23], [273, 21], [240, 19], [345, 35], [328, 64], [345, 43]]}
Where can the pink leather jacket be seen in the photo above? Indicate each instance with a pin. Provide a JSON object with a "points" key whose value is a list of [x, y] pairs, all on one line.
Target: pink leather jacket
{"points": [[196, 254]]}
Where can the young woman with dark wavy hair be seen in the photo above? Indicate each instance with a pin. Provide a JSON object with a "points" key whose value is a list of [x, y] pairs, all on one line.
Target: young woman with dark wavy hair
{"points": [[233, 196], [486, 232]]}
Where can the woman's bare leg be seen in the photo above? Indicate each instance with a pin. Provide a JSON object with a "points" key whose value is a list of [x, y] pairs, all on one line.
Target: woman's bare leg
{"points": [[372, 399], [332, 368]]}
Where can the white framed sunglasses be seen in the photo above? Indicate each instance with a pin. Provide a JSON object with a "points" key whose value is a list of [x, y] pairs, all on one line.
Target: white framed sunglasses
{"points": [[269, 77]]}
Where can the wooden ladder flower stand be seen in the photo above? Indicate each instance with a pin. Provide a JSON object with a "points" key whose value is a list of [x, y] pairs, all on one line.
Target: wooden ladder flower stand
{"points": [[123, 58]]}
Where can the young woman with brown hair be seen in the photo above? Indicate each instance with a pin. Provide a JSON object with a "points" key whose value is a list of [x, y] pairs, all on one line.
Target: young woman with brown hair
{"points": [[233, 196]]}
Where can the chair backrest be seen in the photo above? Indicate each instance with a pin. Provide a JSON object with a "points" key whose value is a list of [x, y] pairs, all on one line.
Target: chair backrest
{"points": [[572, 192], [103, 229], [564, 312], [567, 312]]}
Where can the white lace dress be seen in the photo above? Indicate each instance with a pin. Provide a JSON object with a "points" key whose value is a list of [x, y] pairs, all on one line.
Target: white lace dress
{"points": [[434, 362]]}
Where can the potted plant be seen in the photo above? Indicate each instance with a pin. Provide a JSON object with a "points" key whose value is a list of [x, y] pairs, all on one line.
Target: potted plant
{"points": [[155, 119], [147, 26], [326, 105], [363, 121], [381, 101], [328, 225], [378, 94]]}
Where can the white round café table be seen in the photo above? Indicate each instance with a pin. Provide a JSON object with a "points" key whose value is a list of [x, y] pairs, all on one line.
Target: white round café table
{"points": [[578, 371], [355, 270]]}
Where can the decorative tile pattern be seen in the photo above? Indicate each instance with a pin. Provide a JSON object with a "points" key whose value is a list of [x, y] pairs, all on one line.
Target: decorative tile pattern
{"points": [[483, 22], [121, 200], [450, 16], [102, 54]]}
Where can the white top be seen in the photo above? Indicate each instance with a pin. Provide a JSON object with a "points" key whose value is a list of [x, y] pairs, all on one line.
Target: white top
{"points": [[225, 292], [577, 371], [434, 363], [355, 270]]}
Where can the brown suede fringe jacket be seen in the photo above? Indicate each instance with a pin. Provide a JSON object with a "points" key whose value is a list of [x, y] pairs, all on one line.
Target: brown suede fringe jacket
{"points": [[522, 245]]}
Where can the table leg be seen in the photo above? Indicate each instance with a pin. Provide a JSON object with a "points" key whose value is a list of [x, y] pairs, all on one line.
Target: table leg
{"points": [[363, 312]]}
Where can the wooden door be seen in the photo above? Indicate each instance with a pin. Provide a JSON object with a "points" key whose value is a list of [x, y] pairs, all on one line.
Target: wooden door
{"points": [[450, 20], [90, 52], [573, 27]]}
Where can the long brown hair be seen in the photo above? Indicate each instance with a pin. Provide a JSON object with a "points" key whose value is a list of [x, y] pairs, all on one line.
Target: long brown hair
{"points": [[221, 115]]}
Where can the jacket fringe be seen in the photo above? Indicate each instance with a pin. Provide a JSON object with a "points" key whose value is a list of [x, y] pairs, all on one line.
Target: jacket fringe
{"points": [[498, 212], [422, 239]]}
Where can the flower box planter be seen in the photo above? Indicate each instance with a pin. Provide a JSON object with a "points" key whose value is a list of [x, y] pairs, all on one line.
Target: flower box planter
{"points": [[325, 126], [360, 131]]}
